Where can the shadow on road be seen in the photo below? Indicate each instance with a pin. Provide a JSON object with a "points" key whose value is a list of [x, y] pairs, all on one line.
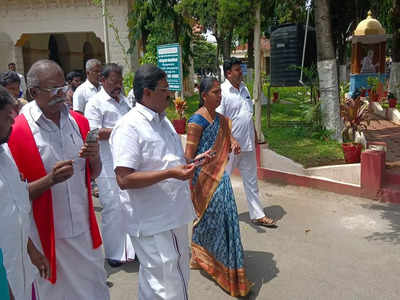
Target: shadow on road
{"points": [[275, 212], [260, 269], [130, 267], [391, 213]]}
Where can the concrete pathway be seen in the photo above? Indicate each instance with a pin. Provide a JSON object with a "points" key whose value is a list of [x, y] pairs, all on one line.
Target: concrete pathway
{"points": [[327, 246]]}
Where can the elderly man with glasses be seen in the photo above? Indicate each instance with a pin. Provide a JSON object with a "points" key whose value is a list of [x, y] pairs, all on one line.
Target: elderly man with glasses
{"points": [[49, 148]]}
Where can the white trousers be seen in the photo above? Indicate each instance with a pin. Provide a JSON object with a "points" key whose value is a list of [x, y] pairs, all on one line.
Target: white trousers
{"points": [[246, 162], [164, 265], [117, 243], [80, 272]]}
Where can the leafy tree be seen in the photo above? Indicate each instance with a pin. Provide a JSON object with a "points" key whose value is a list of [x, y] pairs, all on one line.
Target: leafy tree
{"points": [[204, 56], [157, 22]]}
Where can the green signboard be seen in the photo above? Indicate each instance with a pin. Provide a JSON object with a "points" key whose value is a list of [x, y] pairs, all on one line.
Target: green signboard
{"points": [[170, 61]]}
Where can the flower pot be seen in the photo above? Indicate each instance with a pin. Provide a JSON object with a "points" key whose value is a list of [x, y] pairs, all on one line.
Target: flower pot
{"points": [[352, 152], [392, 102], [180, 126], [275, 97]]}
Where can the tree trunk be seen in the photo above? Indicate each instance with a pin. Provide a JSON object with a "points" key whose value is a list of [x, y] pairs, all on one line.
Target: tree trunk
{"points": [[395, 68], [327, 70], [250, 49], [227, 44], [257, 91], [218, 54], [250, 55], [341, 48]]}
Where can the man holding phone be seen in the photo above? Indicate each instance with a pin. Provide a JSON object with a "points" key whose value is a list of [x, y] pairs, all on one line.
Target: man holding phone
{"points": [[149, 163], [47, 143]]}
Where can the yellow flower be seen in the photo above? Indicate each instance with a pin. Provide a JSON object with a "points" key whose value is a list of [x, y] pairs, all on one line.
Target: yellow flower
{"points": [[180, 106]]}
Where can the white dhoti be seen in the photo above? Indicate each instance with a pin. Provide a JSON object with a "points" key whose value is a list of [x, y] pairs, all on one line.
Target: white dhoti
{"points": [[117, 243], [80, 272], [246, 162], [164, 265]]}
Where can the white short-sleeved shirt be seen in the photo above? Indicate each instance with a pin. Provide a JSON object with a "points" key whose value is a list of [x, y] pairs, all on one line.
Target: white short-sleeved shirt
{"points": [[131, 98], [22, 85], [145, 141], [82, 95], [236, 104], [15, 226], [70, 202], [102, 111]]}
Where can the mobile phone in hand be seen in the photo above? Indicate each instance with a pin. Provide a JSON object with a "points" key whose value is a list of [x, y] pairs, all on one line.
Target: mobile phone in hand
{"points": [[92, 136], [198, 161]]}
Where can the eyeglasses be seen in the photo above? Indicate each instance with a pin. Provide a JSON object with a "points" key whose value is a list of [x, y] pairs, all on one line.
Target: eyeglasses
{"points": [[56, 90]]}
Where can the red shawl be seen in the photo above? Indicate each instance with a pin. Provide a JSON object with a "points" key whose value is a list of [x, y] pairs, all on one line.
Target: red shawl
{"points": [[27, 157]]}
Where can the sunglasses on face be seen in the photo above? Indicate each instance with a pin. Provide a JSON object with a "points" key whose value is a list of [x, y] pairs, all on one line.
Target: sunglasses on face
{"points": [[56, 90]]}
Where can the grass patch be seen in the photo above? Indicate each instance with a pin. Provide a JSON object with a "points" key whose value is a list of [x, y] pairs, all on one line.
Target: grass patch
{"points": [[299, 143]]}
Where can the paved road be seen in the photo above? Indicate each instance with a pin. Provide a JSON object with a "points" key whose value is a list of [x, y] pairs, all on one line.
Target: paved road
{"points": [[327, 246]]}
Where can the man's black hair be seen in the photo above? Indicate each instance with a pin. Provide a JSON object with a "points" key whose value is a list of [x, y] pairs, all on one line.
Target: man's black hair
{"points": [[109, 68], [147, 76], [228, 63], [71, 75], [9, 77]]}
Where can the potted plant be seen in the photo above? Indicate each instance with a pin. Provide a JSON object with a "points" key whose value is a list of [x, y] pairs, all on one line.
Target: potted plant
{"points": [[180, 107], [375, 92], [354, 113], [392, 100]]}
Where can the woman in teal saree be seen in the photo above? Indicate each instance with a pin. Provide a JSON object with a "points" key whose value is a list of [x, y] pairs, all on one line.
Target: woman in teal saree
{"points": [[216, 243]]}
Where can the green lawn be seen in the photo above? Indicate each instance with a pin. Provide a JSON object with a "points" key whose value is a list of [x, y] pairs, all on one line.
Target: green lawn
{"points": [[298, 143]]}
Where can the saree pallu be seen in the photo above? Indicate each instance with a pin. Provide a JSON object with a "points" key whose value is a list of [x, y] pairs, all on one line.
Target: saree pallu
{"points": [[216, 243]]}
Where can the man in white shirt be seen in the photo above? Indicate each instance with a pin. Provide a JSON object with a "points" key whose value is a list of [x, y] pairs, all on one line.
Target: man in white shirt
{"points": [[22, 86], [14, 215], [48, 146], [149, 163], [103, 111], [131, 98], [237, 105], [89, 88]]}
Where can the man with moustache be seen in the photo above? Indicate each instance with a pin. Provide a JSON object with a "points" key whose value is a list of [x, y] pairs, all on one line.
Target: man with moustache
{"points": [[149, 163], [47, 143], [103, 111], [89, 88], [236, 104]]}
